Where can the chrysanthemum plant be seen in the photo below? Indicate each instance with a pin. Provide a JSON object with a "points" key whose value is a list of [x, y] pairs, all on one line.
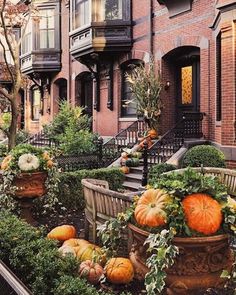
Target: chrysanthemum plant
{"points": [[162, 251], [26, 158]]}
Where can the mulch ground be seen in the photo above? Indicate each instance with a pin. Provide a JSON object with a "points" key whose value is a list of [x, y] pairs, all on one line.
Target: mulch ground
{"points": [[76, 218]]}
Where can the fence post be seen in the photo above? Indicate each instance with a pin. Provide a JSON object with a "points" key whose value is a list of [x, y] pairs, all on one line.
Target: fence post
{"points": [[100, 151], [145, 163]]}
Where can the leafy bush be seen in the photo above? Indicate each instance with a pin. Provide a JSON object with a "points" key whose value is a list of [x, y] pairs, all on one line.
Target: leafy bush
{"points": [[205, 155], [71, 129], [70, 187], [21, 136], [3, 150], [157, 170]]}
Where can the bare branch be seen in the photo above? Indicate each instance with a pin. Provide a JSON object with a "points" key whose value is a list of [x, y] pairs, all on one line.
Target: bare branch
{"points": [[5, 59], [4, 92]]}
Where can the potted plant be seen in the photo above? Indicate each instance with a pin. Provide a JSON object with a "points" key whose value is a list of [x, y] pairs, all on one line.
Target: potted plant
{"points": [[179, 232], [27, 172], [146, 85]]}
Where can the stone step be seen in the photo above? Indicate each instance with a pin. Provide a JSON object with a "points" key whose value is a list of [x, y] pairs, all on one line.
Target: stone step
{"points": [[132, 186], [134, 176]]}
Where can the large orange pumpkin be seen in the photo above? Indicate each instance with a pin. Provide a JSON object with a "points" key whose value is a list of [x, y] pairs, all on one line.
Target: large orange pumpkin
{"points": [[119, 270], [150, 208], [203, 213], [62, 232], [91, 271], [91, 252]]}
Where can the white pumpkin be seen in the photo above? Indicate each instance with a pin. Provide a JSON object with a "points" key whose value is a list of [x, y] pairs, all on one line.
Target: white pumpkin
{"points": [[28, 162]]}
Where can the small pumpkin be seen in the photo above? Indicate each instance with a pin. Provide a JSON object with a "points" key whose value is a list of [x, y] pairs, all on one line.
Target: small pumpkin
{"points": [[91, 252], [119, 270], [5, 163], [124, 169], [203, 213], [150, 208], [67, 250], [62, 232], [76, 243], [91, 271], [148, 140], [50, 164], [46, 156], [152, 133], [132, 162], [28, 162]]}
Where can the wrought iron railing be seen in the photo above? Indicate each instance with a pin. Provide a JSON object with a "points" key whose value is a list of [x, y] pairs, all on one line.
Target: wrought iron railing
{"points": [[190, 126], [40, 139], [10, 284], [126, 138]]}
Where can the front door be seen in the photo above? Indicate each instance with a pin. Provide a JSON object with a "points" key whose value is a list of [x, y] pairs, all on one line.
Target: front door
{"points": [[188, 87]]}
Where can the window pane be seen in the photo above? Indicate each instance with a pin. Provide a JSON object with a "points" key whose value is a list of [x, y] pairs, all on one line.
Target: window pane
{"points": [[113, 9], [47, 29], [186, 84], [128, 108], [80, 13], [36, 104]]}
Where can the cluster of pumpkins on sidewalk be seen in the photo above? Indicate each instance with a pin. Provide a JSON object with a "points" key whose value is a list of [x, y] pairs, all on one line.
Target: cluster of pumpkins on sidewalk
{"points": [[93, 263]]}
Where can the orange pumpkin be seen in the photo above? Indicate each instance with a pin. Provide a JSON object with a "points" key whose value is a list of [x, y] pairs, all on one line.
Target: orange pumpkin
{"points": [[203, 213], [62, 233], [150, 208], [124, 169], [91, 271], [119, 270], [91, 252], [152, 133]]}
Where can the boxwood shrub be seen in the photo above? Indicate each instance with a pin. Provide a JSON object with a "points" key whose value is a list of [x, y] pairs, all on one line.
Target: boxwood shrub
{"points": [[36, 260], [205, 155], [70, 187]]}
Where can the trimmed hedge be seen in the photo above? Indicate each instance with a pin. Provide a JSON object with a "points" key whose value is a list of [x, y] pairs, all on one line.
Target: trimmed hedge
{"points": [[37, 262], [205, 155], [157, 170], [70, 187]]}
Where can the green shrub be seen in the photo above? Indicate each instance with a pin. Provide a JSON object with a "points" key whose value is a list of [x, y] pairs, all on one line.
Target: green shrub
{"points": [[70, 187], [21, 136], [156, 170], [205, 155], [3, 150]]}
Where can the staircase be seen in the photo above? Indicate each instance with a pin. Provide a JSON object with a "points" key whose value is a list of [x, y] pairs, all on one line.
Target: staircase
{"points": [[40, 139], [163, 149]]}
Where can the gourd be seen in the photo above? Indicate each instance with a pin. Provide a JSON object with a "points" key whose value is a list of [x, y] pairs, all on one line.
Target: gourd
{"points": [[76, 243], [62, 233], [152, 133], [5, 163], [28, 162], [136, 155], [203, 213], [91, 271], [150, 208], [91, 252], [124, 169], [67, 250], [132, 162], [119, 270]]}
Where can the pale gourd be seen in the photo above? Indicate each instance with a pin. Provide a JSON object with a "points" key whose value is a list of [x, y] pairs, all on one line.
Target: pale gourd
{"points": [[28, 162]]}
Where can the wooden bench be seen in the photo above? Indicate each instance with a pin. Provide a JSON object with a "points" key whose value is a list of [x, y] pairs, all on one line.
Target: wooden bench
{"points": [[101, 204]]}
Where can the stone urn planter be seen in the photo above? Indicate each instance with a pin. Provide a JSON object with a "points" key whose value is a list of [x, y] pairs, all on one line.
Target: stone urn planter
{"points": [[198, 266], [29, 186]]}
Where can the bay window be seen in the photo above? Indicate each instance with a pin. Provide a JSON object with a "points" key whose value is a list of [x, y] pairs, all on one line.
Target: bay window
{"points": [[46, 29]]}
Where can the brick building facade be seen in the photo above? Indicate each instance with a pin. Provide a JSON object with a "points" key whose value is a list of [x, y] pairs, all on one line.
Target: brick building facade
{"points": [[193, 44]]}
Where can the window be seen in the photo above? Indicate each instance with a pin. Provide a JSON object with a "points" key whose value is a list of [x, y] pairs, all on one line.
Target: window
{"points": [[81, 13], [187, 85], [128, 107], [27, 39], [47, 29], [36, 102], [108, 10], [218, 78]]}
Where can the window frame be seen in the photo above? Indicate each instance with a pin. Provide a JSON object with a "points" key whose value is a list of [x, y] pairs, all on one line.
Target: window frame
{"points": [[33, 90]]}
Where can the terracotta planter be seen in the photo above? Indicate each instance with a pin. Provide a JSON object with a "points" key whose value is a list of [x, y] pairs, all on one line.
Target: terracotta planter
{"points": [[197, 267], [30, 185]]}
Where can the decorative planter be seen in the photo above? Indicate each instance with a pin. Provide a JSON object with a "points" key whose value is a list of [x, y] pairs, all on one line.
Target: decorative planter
{"points": [[197, 267], [29, 186]]}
